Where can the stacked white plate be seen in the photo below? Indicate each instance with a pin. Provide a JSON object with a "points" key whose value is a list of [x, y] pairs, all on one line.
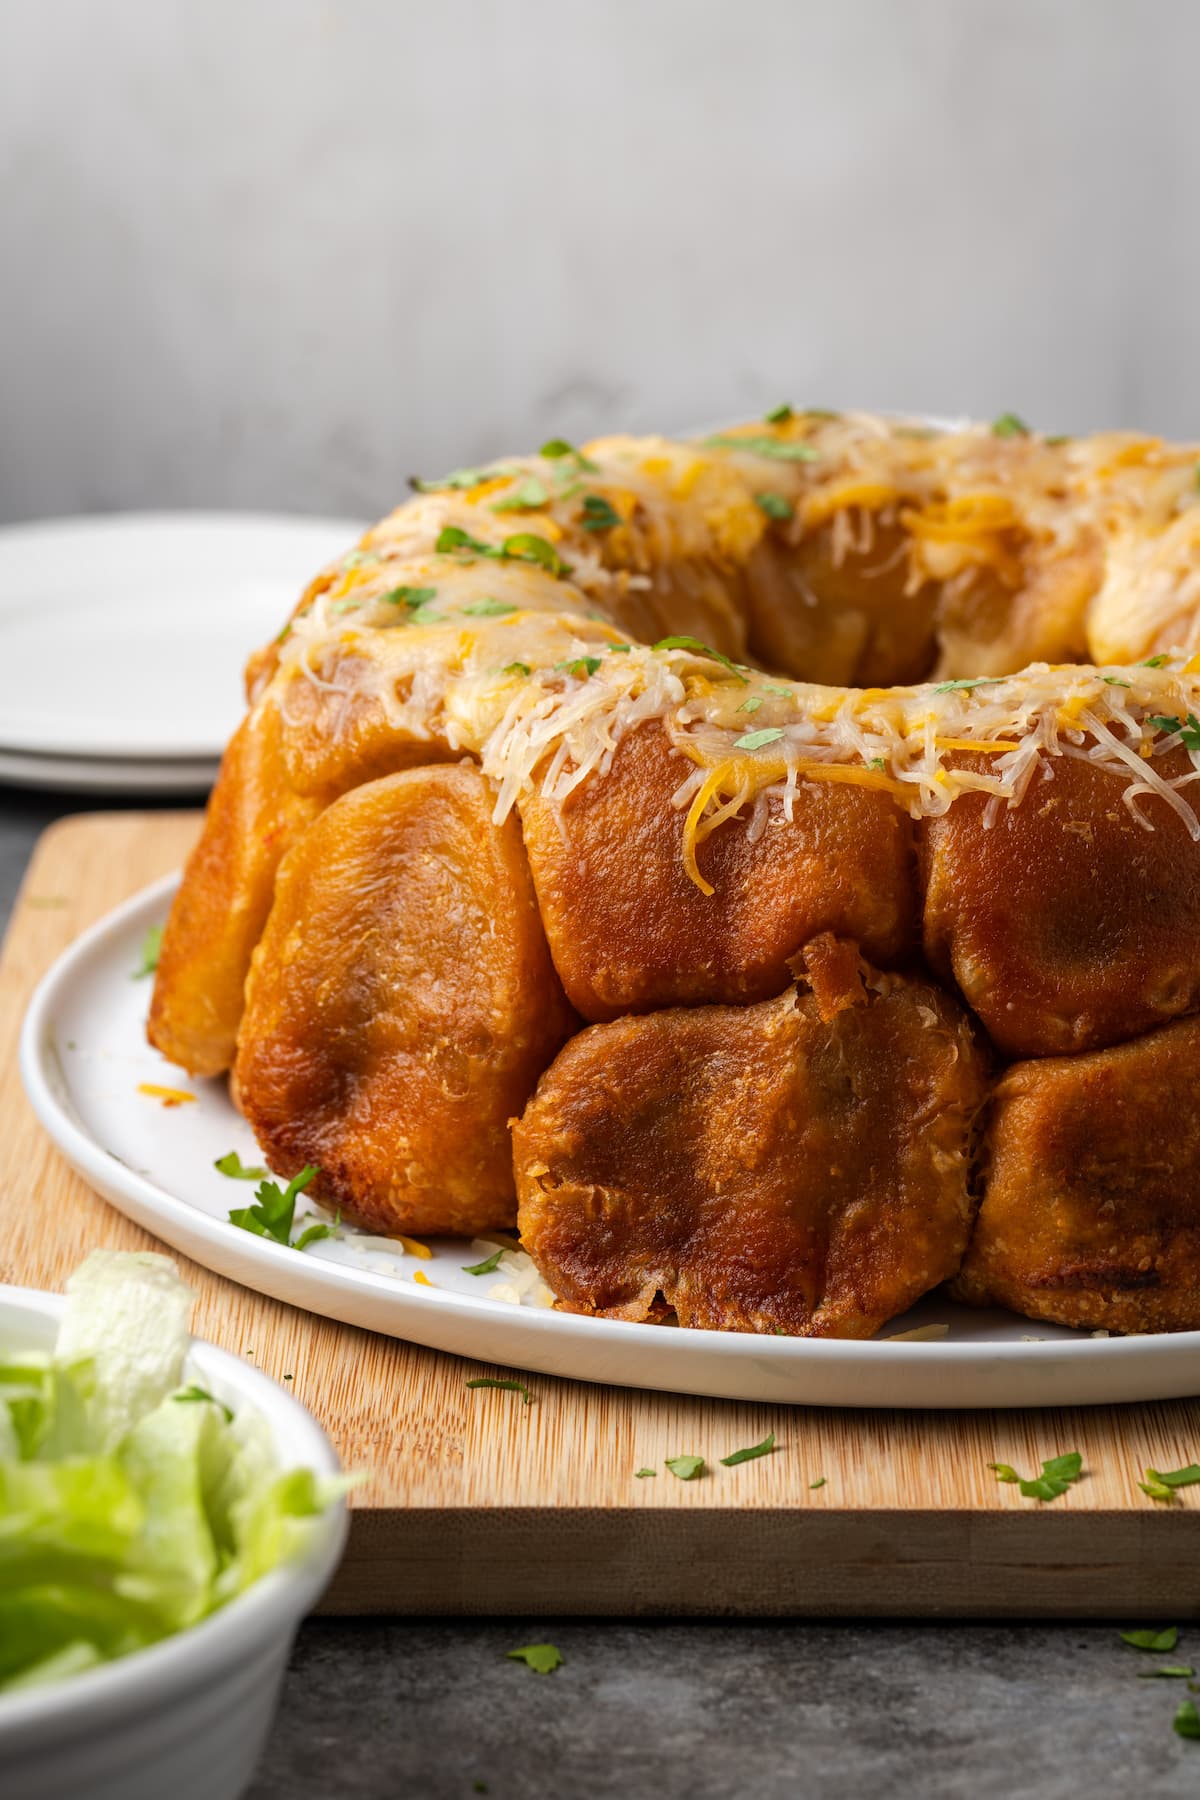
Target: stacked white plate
{"points": [[122, 640]]}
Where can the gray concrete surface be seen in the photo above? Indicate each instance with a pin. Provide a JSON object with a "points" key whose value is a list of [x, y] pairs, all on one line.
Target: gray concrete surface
{"points": [[383, 1710], [724, 1712]]}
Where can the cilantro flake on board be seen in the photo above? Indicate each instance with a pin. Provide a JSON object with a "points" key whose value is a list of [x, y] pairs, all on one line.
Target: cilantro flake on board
{"points": [[751, 1452], [1058, 1474], [685, 1468], [511, 1387]]}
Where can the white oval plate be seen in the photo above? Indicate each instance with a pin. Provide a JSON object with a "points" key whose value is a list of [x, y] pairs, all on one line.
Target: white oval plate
{"points": [[107, 775], [125, 636], [83, 1054]]}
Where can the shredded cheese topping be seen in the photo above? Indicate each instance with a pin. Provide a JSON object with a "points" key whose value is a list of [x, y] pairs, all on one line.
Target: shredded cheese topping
{"points": [[510, 642]]}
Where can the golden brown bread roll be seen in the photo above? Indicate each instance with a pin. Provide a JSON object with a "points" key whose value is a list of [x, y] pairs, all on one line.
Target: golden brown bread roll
{"points": [[629, 930], [1091, 1208], [1066, 924], [601, 632], [401, 1005], [800, 1165]]}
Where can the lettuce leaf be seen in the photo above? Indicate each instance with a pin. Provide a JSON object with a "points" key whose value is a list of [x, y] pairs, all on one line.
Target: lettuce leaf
{"points": [[124, 1514]]}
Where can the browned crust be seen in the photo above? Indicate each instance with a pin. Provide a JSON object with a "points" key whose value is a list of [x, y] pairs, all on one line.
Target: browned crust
{"points": [[1066, 925], [800, 1165], [629, 931], [219, 913], [1091, 1208], [401, 1005]]}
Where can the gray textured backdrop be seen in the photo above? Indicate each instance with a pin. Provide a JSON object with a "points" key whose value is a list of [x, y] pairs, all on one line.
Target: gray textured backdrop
{"points": [[282, 252]]}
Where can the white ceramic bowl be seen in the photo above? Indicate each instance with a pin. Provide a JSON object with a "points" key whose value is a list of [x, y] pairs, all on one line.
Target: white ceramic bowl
{"points": [[187, 1718]]}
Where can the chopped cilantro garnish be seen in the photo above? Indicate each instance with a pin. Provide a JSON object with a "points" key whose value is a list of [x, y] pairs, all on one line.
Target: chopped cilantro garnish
{"points": [[486, 1267], [1008, 425], [412, 597], [1196, 475], [460, 478], [776, 506], [580, 665], [453, 537], [1177, 1478], [151, 946], [752, 704], [1152, 1640], [274, 1208], [523, 546], [511, 1387], [781, 449], [1059, 437], [754, 740], [1168, 1672], [770, 688], [877, 762], [530, 494], [1162, 1486], [233, 1166], [489, 609], [641, 1474], [598, 514], [558, 447], [619, 649], [1056, 1477], [515, 668], [1186, 1722], [1189, 729], [198, 1393], [1154, 662], [312, 1234], [818, 1483], [543, 1659], [749, 1454], [969, 681], [778, 415], [682, 642], [685, 1467], [1114, 681]]}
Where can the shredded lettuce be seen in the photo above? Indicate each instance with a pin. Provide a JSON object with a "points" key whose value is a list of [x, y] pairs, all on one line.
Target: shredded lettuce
{"points": [[124, 1514]]}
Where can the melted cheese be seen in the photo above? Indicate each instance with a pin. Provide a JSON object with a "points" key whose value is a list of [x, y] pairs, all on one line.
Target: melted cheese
{"points": [[525, 670]]}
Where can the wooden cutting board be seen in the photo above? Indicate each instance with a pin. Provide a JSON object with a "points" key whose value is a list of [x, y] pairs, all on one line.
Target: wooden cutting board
{"points": [[479, 1504]]}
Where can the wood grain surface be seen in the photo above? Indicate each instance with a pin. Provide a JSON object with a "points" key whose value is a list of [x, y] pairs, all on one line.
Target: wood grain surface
{"points": [[479, 1504]]}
